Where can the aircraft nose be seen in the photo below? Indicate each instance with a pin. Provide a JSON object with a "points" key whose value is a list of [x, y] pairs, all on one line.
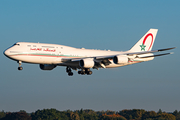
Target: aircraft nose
{"points": [[6, 52]]}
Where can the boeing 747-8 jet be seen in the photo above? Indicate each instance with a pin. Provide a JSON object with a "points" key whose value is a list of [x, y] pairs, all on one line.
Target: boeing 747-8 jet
{"points": [[49, 56]]}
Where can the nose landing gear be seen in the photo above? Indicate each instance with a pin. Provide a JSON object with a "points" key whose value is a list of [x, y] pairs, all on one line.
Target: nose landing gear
{"points": [[20, 67]]}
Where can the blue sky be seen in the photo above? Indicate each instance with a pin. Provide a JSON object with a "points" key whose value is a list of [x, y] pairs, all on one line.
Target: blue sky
{"points": [[115, 25]]}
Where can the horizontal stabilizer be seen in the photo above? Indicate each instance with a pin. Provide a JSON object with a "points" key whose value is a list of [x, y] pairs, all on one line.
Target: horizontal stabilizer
{"points": [[145, 52], [166, 49]]}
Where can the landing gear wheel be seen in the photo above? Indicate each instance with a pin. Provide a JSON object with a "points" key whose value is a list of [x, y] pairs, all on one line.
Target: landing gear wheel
{"points": [[83, 73], [20, 68], [89, 72], [70, 73], [79, 72]]}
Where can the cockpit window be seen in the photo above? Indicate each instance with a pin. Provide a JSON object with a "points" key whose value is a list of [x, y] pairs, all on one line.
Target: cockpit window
{"points": [[16, 44]]}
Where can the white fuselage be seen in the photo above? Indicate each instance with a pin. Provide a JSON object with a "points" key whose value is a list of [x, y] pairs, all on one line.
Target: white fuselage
{"points": [[39, 53]]}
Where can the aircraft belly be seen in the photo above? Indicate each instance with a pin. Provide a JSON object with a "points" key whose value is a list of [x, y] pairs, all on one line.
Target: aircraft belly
{"points": [[34, 59], [74, 64]]}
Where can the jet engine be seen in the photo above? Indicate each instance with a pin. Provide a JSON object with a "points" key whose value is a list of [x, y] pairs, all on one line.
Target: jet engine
{"points": [[86, 63], [46, 66], [120, 59]]}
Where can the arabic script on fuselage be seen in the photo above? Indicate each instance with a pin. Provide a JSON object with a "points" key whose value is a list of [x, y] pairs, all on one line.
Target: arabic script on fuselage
{"points": [[40, 49]]}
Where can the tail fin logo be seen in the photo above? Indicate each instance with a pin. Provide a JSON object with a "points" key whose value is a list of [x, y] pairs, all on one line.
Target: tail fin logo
{"points": [[144, 41]]}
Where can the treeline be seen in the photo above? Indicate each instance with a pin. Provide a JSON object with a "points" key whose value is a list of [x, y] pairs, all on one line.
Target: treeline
{"points": [[53, 114]]}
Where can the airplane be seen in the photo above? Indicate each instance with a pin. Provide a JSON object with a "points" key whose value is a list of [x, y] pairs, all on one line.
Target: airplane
{"points": [[49, 56]]}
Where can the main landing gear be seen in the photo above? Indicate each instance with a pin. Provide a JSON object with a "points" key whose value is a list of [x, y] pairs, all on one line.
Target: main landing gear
{"points": [[83, 71], [20, 67], [69, 71]]}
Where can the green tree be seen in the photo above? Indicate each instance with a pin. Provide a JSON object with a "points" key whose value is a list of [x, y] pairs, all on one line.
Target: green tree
{"points": [[2, 114], [112, 117], [177, 114], [17, 116], [160, 111], [166, 116], [130, 117], [135, 113], [73, 116], [81, 114], [149, 119], [49, 114], [149, 114]]}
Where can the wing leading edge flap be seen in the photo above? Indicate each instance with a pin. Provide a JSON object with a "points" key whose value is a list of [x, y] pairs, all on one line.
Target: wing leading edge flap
{"points": [[101, 60], [96, 58]]}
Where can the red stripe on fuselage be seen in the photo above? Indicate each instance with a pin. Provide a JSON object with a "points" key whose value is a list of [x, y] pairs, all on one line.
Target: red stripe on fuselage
{"points": [[43, 55]]}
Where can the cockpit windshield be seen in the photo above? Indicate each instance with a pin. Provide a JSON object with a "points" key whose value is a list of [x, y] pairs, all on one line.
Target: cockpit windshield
{"points": [[16, 44]]}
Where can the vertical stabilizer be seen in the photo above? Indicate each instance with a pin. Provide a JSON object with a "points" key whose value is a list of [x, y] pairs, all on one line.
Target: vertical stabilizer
{"points": [[146, 42]]}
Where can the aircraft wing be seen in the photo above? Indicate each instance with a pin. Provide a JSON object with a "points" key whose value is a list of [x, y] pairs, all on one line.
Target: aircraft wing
{"points": [[102, 61]]}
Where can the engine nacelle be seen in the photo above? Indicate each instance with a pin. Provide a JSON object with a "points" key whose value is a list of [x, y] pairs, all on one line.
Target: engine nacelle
{"points": [[86, 63], [47, 66], [120, 59]]}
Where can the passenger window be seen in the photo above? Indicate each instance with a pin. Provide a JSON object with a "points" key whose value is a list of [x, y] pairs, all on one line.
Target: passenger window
{"points": [[48, 46]]}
